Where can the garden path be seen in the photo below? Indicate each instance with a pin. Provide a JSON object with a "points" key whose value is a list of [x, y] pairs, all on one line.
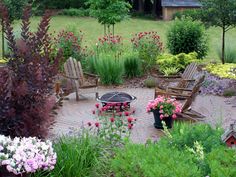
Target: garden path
{"points": [[74, 114]]}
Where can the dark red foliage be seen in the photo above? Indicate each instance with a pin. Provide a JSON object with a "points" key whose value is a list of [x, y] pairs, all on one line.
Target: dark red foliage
{"points": [[26, 87]]}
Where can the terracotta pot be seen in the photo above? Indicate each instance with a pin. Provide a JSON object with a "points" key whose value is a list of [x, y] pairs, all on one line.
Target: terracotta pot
{"points": [[158, 120]]}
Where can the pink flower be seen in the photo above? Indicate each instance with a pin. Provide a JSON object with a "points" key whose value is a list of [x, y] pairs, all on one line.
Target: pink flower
{"points": [[97, 105], [174, 116], [112, 119], [89, 124], [130, 126], [130, 119], [97, 124], [126, 113], [161, 116]]}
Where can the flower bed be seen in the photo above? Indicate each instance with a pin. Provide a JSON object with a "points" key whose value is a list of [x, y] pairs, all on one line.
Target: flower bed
{"points": [[227, 70]]}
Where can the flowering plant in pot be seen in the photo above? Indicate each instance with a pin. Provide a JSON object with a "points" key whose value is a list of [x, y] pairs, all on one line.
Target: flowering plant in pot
{"points": [[164, 109], [23, 156]]}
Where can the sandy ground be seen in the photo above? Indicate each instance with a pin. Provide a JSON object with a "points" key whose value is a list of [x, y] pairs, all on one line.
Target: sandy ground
{"points": [[217, 110]]}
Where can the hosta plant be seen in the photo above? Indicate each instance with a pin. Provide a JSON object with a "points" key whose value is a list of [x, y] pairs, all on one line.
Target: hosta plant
{"points": [[27, 85]]}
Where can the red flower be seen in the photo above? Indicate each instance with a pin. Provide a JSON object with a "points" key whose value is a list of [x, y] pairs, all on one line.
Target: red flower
{"points": [[112, 119], [120, 114], [130, 119], [126, 113], [89, 123], [97, 105], [97, 124], [130, 126]]}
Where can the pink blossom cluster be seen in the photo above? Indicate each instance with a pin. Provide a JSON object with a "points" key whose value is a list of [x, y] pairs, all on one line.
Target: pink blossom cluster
{"points": [[147, 38], [110, 39], [26, 155], [167, 106]]}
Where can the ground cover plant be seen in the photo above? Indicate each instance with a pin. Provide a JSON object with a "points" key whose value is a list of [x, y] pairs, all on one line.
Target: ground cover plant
{"points": [[227, 70], [26, 103]]}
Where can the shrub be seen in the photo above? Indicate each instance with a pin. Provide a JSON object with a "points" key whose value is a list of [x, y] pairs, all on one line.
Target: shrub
{"points": [[149, 46], [187, 36], [192, 13], [26, 103], [110, 43], [75, 12], [150, 82], [229, 92], [70, 44], [109, 69], [222, 70], [153, 160], [132, 66], [222, 162], [179, 62]]}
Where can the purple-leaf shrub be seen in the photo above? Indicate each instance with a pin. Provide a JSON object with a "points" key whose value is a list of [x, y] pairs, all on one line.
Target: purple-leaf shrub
{"points": [[26, 93]]}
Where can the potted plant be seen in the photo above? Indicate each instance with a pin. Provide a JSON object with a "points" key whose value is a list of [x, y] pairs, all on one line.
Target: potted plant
{"points": [[164, 109]]}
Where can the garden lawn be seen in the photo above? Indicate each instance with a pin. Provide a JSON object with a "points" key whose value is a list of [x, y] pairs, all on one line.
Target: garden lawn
{"points": [[92, 30]]}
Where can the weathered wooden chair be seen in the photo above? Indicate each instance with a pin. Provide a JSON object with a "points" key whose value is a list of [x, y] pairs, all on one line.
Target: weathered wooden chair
{"points": [[181, 92], [73, 72], [183, 81]]}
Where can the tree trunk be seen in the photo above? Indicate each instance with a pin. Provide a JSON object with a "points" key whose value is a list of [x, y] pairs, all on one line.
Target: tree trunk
{"points": [[141, 6], [154, 7], [223, 46], [3, 43]]}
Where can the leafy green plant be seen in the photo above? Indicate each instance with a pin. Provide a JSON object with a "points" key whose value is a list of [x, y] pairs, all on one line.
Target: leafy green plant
{"points": [[149, 46], [77, 156], [153, 160], [222, 162], [170, 71], [75, 12], [187, 36], [227, 70], [132, 66], [150, 82], [173, 62], [110, 69], [192, 13]]}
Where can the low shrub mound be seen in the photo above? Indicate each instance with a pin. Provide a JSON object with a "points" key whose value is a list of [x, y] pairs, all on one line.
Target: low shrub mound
{"points": [[171, 64], [227, 70]]}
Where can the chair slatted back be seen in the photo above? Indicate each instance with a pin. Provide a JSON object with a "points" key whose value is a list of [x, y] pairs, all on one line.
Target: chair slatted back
{"points": [[193, 94], [189, 72], [73, 69]]}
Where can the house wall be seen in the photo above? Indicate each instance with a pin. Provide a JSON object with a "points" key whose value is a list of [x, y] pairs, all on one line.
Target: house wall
{"points": [[168, 12]]}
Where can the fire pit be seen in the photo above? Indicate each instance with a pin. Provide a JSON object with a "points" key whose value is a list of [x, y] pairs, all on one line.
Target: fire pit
{"points": [[120, 99]]}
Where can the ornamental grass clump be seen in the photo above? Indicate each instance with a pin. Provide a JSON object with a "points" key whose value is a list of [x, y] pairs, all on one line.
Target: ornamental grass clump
{"points": [[149, 46], [167, 106], [26, 155]]}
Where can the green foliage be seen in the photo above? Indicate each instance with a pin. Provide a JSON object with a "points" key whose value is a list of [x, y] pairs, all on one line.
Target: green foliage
{"points": [[109, 69], [149, 46], [153, 160], [185, 135], [229, 92], [191, 13], [187, 36], [75, 12], [76, 156], [170, 71], [173, 63], [90, 64], [222, 162], [230, 52], [150, 82], [222, 70], [15, 8], [109, 11], [132, 66]]}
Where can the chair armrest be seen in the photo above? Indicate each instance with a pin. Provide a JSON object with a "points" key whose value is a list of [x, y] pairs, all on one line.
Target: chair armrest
{"points": [[179, 88], [69, 77], [89, 74]]}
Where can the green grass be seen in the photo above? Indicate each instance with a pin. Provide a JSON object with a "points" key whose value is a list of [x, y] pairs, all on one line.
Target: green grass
{"points": [[92, 30]]}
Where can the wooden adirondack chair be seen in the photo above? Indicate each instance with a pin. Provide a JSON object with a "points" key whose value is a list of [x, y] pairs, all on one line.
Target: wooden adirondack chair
{"points": [[181, 92], [74, 72], [183, 80]]}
